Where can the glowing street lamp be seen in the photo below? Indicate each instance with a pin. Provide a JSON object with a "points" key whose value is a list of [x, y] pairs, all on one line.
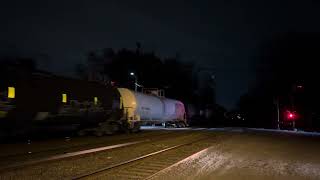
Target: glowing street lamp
{"points": [[135, 81]]}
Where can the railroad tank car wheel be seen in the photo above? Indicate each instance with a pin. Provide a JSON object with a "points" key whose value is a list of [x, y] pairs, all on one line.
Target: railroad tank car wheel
{"points": [[136, 127], [182, 125], [108, 128], [81, 133], [123, 127], [98, 133], [169, 125], [114, 127], [22, 124]]}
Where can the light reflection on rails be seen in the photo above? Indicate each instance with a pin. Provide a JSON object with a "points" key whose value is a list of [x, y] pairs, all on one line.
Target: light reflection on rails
{"points": [[146, 170]]}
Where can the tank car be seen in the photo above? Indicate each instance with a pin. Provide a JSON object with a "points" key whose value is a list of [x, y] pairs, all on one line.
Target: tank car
{"points": [[152, 109]]}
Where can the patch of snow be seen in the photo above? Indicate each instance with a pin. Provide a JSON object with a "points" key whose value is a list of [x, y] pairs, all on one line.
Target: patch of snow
{"points": [[211, 160], [286, 131], [171, 129], [308, 169]]}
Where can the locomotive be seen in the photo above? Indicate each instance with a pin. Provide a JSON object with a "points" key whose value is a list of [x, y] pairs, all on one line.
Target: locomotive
{"points": [[39, 100]]}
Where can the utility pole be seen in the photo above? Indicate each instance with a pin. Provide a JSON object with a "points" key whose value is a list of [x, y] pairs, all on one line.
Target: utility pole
{"points": [[135, 81], [276, 100], [278, 112], [135, 84]]}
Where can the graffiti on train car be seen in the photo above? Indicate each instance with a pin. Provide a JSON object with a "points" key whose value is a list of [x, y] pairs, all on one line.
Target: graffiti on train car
{"points": [[76, 108]]}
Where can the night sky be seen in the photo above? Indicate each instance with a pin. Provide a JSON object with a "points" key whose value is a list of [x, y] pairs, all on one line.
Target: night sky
{"points": [[223, 34]]}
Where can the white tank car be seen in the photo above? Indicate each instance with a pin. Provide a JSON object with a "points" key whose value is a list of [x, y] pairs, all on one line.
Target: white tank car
{"points": [[150, 108]]}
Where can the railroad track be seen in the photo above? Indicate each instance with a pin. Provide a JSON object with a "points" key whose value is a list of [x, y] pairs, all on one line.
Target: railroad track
{"points": [[68, 148], [66, 155], [144, 167]]}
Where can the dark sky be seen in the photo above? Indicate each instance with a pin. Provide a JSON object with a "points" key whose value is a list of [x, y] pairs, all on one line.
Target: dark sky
{"points": [[223, 34]]}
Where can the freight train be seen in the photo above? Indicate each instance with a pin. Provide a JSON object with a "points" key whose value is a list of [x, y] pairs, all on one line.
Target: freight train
{"points": [[40, 100], [152, 109]]}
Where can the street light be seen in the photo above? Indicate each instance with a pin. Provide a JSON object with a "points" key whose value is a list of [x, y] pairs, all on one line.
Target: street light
{"points": [[135, 81]]}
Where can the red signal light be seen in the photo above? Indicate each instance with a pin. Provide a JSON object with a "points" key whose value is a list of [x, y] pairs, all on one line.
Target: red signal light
{"points": [[291, 115]]}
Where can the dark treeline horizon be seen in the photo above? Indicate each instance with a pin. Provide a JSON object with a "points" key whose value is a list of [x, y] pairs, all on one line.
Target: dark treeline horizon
{"points": [[281, 64], [184, 81], [286, 71]]}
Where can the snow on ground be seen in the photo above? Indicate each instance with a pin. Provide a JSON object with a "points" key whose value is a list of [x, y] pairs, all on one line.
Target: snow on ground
{"points": [[233, 129], [221, 162], [286, 131], [189, 128], [169, 129], [252, 156]]}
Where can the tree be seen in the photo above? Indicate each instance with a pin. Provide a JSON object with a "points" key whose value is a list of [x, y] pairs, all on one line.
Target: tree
{"points": [[286, 61], [153, 72]]}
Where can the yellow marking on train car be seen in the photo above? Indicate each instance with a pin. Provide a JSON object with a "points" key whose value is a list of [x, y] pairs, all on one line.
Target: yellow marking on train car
{"points": [[11, 92], [129, 102], [121, 103], [64, 98], [95, 100]]}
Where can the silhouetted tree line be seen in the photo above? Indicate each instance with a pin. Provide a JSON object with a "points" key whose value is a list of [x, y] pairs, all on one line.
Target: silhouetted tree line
{"points": [[21, 65], [177, 78], [170, 74], [287, 72]]}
